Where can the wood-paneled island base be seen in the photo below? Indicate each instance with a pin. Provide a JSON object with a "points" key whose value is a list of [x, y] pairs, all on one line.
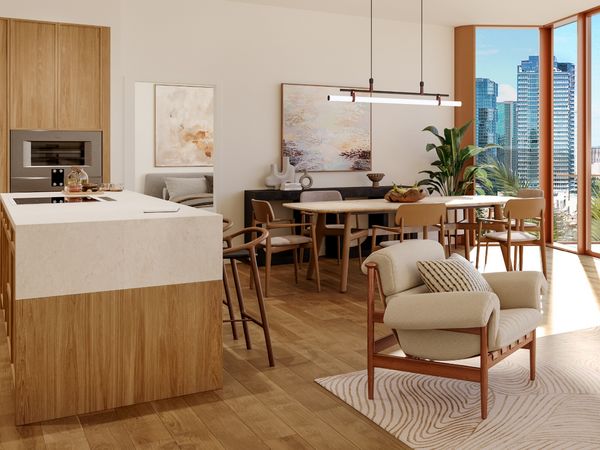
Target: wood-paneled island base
{"points": [[106, 349], [109, 305]]}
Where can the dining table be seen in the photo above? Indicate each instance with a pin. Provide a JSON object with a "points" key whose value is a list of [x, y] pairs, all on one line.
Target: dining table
{"points": [[351, 207]]}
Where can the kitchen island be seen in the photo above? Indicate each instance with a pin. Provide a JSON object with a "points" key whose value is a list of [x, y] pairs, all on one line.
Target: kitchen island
{"points": [[109, 300]]}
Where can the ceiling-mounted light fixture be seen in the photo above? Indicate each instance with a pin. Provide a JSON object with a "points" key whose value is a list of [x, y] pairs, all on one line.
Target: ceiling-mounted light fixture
{"points": [[438, 99]]}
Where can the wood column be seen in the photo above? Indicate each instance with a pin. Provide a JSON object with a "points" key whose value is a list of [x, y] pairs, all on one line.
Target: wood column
{"points": [[584, 140], [464, 79], [546, 132]]}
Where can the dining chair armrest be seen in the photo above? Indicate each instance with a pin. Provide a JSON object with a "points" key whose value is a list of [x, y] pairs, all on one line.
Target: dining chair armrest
{"points": [[394, 230], [272, 225], [487, 220]]}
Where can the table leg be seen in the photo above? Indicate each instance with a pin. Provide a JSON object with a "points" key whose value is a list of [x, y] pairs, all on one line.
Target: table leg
{"points": [[320, 232], [346, 252]]}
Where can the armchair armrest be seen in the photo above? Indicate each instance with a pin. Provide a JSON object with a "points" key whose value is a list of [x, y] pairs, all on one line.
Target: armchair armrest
{"points": [[441, 310], [518, 289]]}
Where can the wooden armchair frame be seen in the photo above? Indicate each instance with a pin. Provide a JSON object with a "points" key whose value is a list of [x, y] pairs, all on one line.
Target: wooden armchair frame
{"points": [[375, 347]]}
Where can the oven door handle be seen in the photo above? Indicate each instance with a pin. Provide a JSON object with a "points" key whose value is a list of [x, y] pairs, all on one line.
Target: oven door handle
{"points": [[30, 178]]}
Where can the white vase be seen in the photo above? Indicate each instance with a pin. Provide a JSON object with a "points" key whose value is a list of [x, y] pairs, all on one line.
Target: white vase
{"points": [[288, 174]]}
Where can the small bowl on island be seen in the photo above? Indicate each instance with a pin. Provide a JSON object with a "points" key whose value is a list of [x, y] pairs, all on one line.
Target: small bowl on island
{"points": [[375, 178]]}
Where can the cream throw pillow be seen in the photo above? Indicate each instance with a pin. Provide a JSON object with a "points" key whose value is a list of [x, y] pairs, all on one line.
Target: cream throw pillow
{"points": [[454, 274], [183, 187]]}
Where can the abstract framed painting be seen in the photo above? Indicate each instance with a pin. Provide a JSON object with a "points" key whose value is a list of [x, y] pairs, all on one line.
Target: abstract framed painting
{"points": [[184, 125], [322, 136]]}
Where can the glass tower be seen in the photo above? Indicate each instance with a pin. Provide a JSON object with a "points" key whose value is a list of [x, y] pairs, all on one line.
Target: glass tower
{"points": [[564, 128], [506, 132], [528, 119], [486, 93]]}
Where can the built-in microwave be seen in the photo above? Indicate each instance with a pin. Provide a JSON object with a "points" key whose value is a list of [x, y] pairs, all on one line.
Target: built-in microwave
{"points": [[41, 159]]}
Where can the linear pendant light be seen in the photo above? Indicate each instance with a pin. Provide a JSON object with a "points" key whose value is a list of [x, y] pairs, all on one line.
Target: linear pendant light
{"points": [[438, 99]]}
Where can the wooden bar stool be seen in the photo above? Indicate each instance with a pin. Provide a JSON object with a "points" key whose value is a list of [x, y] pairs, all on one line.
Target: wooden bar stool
{"points": [[246, 253]]}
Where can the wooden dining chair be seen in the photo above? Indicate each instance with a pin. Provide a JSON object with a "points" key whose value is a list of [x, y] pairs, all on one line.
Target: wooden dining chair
{"points": [[522, 225], [263, 216], [334, 229], [496, 213], [246, 253], [418, 216]]}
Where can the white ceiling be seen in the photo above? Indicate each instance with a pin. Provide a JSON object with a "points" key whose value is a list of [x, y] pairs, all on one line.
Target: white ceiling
{"points": [[447, 12]]}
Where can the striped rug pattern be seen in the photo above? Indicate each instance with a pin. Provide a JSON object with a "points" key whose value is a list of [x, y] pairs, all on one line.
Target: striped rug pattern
{"points": [[559, 410]]}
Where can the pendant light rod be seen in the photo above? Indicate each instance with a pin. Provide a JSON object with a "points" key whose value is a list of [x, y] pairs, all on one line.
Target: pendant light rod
{"points": [[421, 82], [371, 90]]}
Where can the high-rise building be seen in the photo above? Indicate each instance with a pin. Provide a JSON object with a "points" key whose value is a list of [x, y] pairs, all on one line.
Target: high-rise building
{"points": [[564, 128], [528, 119], [528, 104], [506, 132], [486, 93]]}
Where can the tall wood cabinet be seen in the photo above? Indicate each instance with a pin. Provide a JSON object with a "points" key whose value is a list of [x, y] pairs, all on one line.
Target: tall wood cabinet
{"points": [[53, 76]]}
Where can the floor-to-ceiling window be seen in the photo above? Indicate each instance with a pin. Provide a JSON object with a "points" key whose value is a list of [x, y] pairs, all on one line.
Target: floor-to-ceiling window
{"points": [[594, 122], [564, 124], [507, 106]]}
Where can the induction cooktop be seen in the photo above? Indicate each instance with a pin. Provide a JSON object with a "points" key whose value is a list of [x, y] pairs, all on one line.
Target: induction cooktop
{"points": [[61, 199]]}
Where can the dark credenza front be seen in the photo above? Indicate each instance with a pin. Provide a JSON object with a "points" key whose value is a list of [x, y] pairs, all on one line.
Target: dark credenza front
{"points": [[276, 195]]}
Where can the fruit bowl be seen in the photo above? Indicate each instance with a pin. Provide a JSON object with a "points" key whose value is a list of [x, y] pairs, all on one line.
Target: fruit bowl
{"points": [[405, 195], [375, 178]]}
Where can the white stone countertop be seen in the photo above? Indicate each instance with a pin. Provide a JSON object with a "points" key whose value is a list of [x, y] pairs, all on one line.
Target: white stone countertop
{"points": [[127, 206], [75, 248]]}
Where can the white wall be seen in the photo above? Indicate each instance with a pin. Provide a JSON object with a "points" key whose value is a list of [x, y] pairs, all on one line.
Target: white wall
{"points": [[246, 51]]}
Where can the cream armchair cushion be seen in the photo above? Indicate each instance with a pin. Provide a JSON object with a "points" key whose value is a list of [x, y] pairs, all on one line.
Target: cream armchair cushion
{"points": [[398, 269]]}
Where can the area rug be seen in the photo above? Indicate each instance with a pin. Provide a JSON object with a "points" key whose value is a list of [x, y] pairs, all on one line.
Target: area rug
{"points": [[559, 410]]}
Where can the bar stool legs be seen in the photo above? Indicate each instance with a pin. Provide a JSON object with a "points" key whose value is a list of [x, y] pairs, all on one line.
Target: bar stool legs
{"points": [[227, 302], [247, 254]]}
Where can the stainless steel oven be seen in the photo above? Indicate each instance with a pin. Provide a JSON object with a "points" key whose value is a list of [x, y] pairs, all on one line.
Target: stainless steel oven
{"points": [[41, 159]]}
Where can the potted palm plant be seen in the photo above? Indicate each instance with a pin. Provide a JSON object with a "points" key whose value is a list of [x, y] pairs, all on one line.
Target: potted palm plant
{"points": [[452, 173]]}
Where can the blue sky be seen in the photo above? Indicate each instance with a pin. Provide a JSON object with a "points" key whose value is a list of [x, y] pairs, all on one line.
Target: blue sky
{"points": [[500, 51]]}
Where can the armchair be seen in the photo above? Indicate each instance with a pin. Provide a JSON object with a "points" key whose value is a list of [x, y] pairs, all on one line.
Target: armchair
{"points": [[432, 328]]}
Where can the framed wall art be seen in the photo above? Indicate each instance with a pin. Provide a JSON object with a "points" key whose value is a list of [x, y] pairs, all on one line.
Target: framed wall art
{"points": [[184, 125], [322, 136]]}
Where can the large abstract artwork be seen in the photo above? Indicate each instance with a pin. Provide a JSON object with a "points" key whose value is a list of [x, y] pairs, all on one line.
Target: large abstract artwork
{"points": [[322, 136], [184, 122]]}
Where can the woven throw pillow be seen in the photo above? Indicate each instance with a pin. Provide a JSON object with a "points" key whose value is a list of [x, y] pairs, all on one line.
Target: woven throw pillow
{"points": [[454, 274]]}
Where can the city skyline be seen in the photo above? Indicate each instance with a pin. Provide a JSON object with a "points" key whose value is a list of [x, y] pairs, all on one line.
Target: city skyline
{"points": [[500, 51]]}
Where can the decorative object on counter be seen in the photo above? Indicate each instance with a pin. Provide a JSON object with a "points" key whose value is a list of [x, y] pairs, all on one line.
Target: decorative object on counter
{"points": [[405, 195], [452, 175], [116, 187], [375, 178], [287, 186], [288, 174], [322, 137], [92, 187], [184, 118], [76, 178], [305, 180]]}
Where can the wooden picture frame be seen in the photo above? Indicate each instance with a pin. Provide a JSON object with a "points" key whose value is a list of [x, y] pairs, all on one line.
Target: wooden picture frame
{"points": [[184, 125], [322, 136]]}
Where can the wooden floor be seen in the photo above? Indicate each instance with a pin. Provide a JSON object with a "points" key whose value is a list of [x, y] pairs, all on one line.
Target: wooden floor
{"points": [[314, 335]]}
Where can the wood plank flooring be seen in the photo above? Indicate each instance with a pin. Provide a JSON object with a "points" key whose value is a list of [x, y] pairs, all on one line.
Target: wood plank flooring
{"points": [[314, 335]]}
